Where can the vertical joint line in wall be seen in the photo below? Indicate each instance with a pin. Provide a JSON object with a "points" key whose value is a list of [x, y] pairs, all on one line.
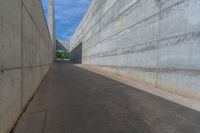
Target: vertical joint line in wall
{"points": [[21, 54], [158, 52], [44, 122]]}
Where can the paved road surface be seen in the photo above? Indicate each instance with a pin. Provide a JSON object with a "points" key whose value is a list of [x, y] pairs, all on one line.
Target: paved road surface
{"points": [[73, 100]]}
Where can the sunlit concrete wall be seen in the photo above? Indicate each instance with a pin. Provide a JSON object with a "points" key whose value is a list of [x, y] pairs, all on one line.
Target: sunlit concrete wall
{"points": [[25, 56], [152, 41]]}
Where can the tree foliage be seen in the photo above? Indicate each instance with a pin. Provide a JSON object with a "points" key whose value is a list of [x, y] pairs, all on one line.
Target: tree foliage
{"points": [[62, 55]]}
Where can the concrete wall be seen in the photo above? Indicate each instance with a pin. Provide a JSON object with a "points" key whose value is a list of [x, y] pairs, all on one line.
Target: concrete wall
{"points": [[76, 54], [25, 56], [152, 41], [51, 22]]}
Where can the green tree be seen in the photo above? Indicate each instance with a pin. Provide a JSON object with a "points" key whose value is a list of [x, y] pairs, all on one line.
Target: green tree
{"points": [[62, 55]]}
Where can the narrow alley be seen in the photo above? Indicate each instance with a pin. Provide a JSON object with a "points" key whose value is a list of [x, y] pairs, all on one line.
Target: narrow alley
{"points": [[74, 100]]}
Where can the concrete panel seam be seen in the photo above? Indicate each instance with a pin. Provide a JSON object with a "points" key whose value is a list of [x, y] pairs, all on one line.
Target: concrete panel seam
{"points": [[46, 44], [20, 67], [95, 23], [125, 11], [21, 53], [23, 109], [143, 47], [117, 32], [82, 22], [44, 122], [123, 29], [102, 18], [158, 52]]}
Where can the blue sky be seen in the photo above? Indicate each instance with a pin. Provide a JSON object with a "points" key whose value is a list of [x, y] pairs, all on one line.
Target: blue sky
{"points": [[68, 14]]}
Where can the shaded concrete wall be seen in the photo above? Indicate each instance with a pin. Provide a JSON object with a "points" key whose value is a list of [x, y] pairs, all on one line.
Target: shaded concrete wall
{"points": [[25, 56], [76, 54], [152, 41]]}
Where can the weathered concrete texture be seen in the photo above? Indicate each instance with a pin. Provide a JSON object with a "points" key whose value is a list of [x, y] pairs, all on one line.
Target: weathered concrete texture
{"points": [[74, 100], [152, 41], [25, 56]]}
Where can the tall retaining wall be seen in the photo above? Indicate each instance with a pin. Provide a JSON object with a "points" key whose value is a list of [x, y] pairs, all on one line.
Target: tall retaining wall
{"points": [[152, 41], [26, 55]]}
